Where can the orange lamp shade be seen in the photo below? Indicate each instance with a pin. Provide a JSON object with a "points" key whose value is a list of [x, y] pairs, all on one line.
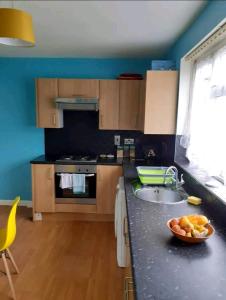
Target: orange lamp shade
{"points": [[16, 28]]}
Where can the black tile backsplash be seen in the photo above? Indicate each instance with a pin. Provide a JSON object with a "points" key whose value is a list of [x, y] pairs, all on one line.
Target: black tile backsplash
{"points": [[81, 135]]}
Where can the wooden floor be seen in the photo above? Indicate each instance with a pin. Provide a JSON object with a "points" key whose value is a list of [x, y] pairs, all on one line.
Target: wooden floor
{"points": [[63, 260]]}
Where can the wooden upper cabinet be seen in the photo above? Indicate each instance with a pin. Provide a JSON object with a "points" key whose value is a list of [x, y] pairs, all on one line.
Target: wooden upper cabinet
{"points": [[78, 87], [142, 105], [129, 104], [43, 188], [161, 102], [107, 179], [48, 116], [109, 104]]}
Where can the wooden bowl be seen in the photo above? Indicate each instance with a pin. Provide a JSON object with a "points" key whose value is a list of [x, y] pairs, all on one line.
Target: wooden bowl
{"points": [[193, 240]]}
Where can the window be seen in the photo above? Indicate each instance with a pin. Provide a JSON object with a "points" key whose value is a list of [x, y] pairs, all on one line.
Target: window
{"points": [[204, 133]]}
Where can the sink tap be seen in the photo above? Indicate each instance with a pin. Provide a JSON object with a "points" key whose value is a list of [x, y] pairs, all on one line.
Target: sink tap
{"points": [[181, 181], [178, 183]]}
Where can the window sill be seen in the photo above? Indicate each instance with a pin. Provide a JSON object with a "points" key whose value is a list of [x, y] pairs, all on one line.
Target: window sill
{"points": [[202, 178]]}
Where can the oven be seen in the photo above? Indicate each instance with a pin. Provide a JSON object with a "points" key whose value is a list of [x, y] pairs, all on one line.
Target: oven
{"points": [[68, 194]]}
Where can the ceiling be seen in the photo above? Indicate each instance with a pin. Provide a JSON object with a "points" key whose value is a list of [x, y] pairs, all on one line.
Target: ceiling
{"points": [[104, 28]]}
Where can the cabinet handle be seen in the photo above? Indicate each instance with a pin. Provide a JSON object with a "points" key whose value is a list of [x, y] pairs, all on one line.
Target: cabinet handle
{"points": [[101, 120], [54, 119]]}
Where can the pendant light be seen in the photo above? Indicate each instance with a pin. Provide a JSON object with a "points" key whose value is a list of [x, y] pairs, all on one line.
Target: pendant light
{"points": [[16, 28]]}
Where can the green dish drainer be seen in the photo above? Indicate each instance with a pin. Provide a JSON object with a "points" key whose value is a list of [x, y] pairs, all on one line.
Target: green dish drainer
{"points": [[155, 175]]}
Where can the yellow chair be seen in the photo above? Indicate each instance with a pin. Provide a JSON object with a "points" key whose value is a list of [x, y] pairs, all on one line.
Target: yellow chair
{"points": [[7, 236]]}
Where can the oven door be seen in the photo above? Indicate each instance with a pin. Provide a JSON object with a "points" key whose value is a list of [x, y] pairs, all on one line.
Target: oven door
{"points": [[68, 195]]}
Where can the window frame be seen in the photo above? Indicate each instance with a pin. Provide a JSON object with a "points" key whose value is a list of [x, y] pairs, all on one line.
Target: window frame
{"points": [[185, 88]]}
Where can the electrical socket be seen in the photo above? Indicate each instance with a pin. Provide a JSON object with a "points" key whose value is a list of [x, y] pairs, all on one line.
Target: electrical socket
{"points": [[37, 216], [128, 141], [117, 140]]}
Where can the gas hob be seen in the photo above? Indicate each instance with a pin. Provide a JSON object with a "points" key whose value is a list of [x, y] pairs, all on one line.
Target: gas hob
{"points": [[77, 159]]}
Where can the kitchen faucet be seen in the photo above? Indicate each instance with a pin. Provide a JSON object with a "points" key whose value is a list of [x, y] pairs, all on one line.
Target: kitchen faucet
{"points": [[178, 183]]}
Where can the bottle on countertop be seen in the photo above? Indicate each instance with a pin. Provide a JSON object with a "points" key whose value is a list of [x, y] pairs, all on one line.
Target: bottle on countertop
{"points": [[132, 152], [119, 152], [126, 151]]}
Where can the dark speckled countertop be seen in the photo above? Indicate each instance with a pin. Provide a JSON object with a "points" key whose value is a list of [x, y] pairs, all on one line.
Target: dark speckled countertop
{"points": [[165, 268], [43, 159]]}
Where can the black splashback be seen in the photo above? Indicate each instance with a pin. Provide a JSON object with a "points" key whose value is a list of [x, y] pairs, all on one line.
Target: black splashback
{"points": [[81, 135]]}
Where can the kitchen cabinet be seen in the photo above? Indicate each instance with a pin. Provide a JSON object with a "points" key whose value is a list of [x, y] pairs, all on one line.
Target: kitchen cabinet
{"points": [[120, 101], [78, 87], [129, 104], [107, 180], [160, 102], [128, 284], [121, 105], [43, 188], [48, 116], [109, 104], [128, 276], [148, 105], [141, 113]]}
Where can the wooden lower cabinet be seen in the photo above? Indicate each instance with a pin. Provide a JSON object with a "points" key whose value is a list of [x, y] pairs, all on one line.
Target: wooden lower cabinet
{"points": [[107, 179], [43, 188], [128, 285], [43, 191], [129, 290]]}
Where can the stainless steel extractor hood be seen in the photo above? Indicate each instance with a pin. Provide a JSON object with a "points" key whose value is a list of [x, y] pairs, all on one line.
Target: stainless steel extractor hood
{"points": [[77, 103]]}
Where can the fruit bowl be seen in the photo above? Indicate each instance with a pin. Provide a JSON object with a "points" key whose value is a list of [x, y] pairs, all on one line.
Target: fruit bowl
{"points": [[191, 239]]}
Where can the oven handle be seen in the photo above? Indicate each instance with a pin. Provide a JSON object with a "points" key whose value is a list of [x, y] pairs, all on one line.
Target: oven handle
{"points": [[87, 175]]}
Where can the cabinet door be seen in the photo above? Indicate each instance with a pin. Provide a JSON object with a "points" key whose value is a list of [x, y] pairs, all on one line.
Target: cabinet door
{"points": [[48, 116], [129, 289], [107, 180], [78, 87], [43, 188], [109, 104], [129, 99], [128, 276], [161, 102], [141, 105]]}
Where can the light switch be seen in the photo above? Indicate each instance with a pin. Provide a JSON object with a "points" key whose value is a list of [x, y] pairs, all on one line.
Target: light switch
{"points": [[117, 140]]}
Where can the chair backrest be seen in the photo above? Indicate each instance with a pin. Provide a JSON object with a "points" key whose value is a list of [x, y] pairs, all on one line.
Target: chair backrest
{"points": [[11, 224]]}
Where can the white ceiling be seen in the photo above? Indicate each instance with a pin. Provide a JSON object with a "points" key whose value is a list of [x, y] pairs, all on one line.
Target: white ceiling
{"points": [[104, 28]]}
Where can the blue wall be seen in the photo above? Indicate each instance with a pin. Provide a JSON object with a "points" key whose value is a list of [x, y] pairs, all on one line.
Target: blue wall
{"points": [[20, 140], [214, 12]]}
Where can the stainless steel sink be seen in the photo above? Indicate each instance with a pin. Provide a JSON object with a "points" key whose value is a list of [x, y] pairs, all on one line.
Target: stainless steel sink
{"points": [[160, 195]]}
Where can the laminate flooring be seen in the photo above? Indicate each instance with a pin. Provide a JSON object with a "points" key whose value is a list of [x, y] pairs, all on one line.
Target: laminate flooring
{"points": [[65, 259]]}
